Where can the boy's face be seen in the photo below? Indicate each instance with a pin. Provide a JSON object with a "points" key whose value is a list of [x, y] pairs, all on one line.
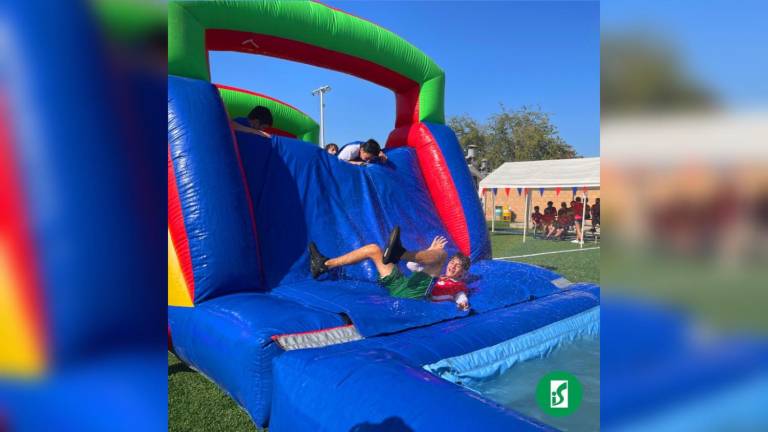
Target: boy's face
{"points": [[256, 124], [454, 269], [364, 155]]}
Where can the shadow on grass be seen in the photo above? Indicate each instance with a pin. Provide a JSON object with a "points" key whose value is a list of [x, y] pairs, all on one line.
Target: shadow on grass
{"points": [[179, 367]]}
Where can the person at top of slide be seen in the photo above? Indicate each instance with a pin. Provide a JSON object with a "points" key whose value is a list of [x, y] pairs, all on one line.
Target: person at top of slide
{"points": [[360, 154], [257, 121], [431, 282], [332, 149]]}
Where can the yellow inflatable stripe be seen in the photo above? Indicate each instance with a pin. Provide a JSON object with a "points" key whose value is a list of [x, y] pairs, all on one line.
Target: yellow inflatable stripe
{"points": [[178, 294], [21, 353]]}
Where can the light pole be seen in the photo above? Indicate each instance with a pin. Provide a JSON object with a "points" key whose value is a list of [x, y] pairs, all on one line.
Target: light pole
{"points": [[321, 91]]}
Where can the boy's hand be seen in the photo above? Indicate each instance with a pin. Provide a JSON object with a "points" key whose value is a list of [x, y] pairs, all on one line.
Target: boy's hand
{"points": [[438, 242], [462, 301]]}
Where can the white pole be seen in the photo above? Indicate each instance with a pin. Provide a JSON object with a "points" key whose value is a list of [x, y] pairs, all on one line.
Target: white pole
{"points": [[493, 211], [322, 91], [525, 224], [583, 216]]}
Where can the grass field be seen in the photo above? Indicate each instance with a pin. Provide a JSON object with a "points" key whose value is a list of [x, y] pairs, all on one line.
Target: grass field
{"points": [[196, 404]]}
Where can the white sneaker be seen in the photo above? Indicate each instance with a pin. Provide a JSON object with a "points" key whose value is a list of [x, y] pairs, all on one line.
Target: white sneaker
{"points": [[574, 241]]}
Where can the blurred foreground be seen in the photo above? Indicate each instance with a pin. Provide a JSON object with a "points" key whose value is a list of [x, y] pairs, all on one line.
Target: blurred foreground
{"points": [[685, 160], [82, 223]]}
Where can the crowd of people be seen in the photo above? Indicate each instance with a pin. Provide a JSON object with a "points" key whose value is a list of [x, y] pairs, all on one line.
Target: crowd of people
{"points": [[555, 223]]}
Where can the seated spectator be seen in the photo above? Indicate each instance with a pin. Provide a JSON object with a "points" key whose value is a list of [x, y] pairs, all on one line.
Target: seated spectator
{"points": [[536, 219], [547, 222], [332, 149], [595, 214], [361, 154], [258, 120], [562, 223], [549, 217]]}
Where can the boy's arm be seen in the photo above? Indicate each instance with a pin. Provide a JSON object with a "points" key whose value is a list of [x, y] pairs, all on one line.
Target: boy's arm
{"points": [[238, 127]]}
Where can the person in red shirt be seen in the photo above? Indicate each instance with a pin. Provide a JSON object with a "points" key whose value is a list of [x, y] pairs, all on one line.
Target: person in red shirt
{"points": [[578, 213], [536, 219], [562, 223], [548, 219]]}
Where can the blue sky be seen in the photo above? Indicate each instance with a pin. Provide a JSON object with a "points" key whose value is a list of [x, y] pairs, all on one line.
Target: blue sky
{"points": [[722, 44], [541, 54]]}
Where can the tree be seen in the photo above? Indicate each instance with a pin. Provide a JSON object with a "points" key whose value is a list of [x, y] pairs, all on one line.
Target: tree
{"points": [[520, 135], [641, 72], [468, 130]]}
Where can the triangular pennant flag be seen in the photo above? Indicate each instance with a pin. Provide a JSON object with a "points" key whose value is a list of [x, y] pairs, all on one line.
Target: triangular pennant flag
{"points": [[519, 191], [507, 191], [482, 191], [557, 191], [574, 189], [541, 191], [495, 191], [525, 191]]}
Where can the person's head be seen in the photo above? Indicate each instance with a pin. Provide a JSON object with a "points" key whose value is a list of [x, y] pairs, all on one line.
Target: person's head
{"points": [[332, 148], [597, 201], [536, 209], [370, 150], [578, 199], [260, 117], [563, 205], [572, 203], [550, 204], [457, 266]]}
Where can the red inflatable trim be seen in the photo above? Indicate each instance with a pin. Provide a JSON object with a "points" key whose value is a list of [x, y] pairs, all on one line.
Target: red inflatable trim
{"points": [[406, 90], [15, 230], [178, 231], [438, 179]]}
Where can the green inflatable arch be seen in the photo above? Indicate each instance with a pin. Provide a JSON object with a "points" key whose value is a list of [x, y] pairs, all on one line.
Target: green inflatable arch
{"points": [[287, 119], [311, 33]]}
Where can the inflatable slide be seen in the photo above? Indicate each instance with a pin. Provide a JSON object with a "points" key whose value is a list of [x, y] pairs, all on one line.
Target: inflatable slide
{"points": [[303, 354]]}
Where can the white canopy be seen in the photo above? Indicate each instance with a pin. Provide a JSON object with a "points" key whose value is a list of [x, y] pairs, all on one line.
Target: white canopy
{"points": [[563, 173]]}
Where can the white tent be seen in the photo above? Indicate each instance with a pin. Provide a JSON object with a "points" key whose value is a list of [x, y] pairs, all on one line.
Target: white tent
{"points": [[546, 174]]}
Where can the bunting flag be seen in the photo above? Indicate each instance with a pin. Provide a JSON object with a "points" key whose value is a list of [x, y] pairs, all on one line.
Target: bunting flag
{"points": [[482, 191], [585, 189], [574, 189], [519, 191], [557, 191], [541, 192], [525, 191], [507, 191], [495, 191]]}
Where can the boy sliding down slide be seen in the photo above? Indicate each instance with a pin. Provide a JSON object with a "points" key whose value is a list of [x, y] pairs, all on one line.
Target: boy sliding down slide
{"points": [[429, 282]]}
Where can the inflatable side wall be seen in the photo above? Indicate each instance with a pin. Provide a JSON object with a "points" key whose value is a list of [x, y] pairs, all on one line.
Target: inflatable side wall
{"points": [[210, 217]]}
